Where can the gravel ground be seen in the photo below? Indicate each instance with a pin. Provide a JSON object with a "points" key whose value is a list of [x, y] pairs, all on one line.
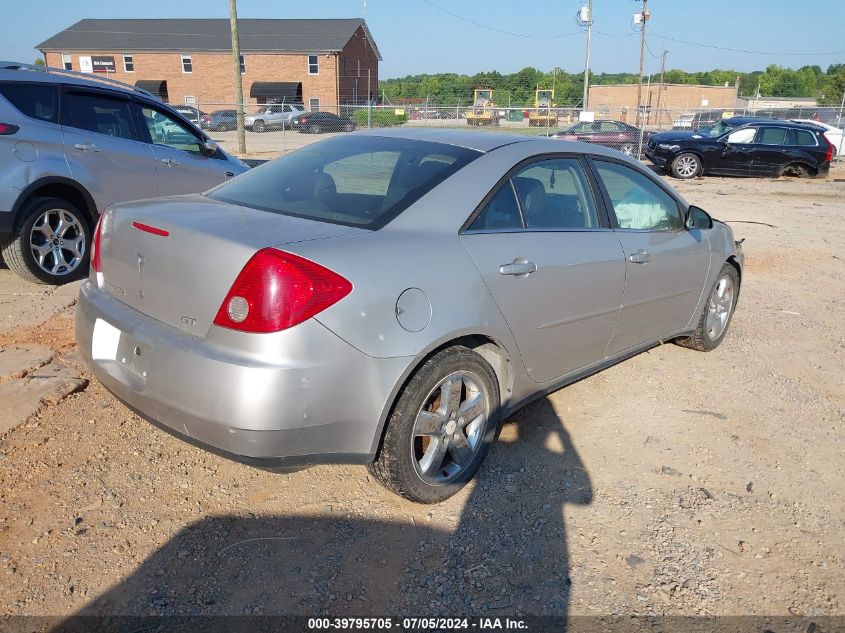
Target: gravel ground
{"points": [[675, 483]]}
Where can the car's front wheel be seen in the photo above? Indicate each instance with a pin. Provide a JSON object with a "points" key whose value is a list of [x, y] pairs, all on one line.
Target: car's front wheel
{"points": [[716, 316], [440, 428], [629, 149], [258, 127], [686, 166], [222, 127], [314, 129], [50, 243]]}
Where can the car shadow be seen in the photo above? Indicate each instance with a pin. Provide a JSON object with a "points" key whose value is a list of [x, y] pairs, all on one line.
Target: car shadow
{"points": [[507, 555]]}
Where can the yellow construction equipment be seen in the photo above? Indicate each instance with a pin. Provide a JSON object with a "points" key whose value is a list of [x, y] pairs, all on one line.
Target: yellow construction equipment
{"points": [[543, 115], [483, 111]]}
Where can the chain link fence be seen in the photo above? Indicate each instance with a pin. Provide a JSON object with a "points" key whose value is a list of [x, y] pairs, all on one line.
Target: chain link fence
{"points": [[277, 128]]}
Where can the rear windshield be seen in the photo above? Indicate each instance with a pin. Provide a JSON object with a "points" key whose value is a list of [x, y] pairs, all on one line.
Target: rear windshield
{"points": [[363, 181]]}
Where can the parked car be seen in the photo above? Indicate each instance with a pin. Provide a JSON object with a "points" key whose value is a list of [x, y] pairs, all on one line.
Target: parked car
{"points": [[389, 297], [60, 167], [684, 121], [817, 114], [704, 118], [276, 115], [317, 122], [743, 146], [616, 134], [222, 120], [194, 115], [833, 134]]}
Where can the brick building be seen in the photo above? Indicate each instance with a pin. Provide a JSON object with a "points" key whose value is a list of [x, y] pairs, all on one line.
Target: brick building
{"points": [[320, 63], [620, 100]]}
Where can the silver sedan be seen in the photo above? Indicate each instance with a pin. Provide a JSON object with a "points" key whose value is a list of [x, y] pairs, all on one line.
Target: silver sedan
{"points": [[388, 297]]}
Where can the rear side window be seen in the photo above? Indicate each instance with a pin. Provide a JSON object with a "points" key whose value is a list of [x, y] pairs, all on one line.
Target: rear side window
{"points": [[100, 114], [356, 181], [501, 212], [772, 136], [804, 137], [39, 101], [554, 194]]}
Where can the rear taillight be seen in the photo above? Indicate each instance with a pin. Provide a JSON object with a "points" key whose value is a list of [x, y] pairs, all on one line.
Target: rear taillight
{"points": [[277, 290], [829, 155], [303, 120], [7, 129], [95, 246]]}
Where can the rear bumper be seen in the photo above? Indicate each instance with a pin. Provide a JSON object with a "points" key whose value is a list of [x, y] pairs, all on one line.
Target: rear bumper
{"points": [[300, 396]]}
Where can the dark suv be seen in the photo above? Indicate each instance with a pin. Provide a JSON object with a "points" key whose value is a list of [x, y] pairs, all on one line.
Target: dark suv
{"points": [[743, 146]]}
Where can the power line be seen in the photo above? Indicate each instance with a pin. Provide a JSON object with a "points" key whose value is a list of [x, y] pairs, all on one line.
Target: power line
{"points": [[740, 50], [494, 29]]}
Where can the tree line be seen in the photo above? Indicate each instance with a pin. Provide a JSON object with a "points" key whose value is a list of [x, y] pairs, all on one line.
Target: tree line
{"points": [[517, 89]]}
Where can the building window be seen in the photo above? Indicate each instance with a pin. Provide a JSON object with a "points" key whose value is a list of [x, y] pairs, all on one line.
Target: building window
{"points": [[359, 67], [187, 64], [314, 104], [243, 65], [313, 65], [67, 64], [128, 63]]}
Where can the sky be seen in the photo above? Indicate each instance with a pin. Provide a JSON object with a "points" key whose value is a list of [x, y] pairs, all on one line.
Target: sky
{"points": [[415, 36]]}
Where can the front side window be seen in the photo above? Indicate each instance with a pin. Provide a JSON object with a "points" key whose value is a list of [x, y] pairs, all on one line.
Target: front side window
{"points": [[313, 64], [67, 63], [363, 182], [638, 202], [167, 131], [187, 64], [745, 135], [100, 114], [39, 101], [555, 194], [772, 136], [129, 63]]}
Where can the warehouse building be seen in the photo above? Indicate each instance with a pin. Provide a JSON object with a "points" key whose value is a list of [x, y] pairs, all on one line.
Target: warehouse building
{"points": [[321, 63]]}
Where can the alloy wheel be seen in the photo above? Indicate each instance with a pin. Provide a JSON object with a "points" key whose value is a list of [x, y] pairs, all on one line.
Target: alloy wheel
{"points": [[449, 428], [719, 307], [57, 242], [627, 149], [687, 166]]}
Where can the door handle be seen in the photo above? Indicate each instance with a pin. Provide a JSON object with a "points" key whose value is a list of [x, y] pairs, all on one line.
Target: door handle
{"points": [[519, 267], [640, 257], [230, 174], [86, 147], [169, 162]]}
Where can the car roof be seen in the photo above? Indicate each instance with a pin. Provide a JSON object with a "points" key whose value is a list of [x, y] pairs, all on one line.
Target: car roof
{"points": [[747, 120], [488, 141], [12, 71]]}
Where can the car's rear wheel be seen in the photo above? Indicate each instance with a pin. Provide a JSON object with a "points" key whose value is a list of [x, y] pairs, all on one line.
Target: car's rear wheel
{"points": [[717, 313], [440, 428], [315, 129], [50, 243], [349, 127], [629, 149], [686, 166], [222, 127], [797, 170], [258, 126]]}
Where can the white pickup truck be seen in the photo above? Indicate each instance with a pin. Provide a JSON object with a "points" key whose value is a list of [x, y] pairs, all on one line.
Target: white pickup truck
{"points": [[275, 115]]}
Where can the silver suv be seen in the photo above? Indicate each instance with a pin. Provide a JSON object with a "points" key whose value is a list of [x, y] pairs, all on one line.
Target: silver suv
{"points": [[71, 145], [277, 115]]}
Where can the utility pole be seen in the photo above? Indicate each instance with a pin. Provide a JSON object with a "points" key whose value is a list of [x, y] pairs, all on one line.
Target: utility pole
{"points": [[660, 88], [588, 21], [239, 86], [644, 16]]}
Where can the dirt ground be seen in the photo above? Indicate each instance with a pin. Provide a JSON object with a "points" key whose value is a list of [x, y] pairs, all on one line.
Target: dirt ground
{"points": [[676, 483]]}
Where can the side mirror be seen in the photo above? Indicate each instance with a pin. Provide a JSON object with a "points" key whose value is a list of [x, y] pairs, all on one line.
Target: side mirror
{"points": [[209, 147], [698, 218]]}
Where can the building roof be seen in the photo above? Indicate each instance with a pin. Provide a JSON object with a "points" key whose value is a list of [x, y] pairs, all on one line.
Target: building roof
{"points": [[190, 35]]}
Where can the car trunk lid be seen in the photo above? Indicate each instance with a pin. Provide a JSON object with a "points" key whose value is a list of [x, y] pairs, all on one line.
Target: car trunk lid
{"points": [[174, 260]]}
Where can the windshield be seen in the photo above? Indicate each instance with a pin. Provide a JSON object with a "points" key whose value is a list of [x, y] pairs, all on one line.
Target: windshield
{"points": [[712, 131], [363, 181]]}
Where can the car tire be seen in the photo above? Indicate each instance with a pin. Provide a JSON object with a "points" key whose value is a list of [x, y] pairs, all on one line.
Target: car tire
{"points": [[716, 315], [428, 454], [686, 166], [796, 170], [258, 127], [629, 149], [349, 127], [222, 127], [314, 129], [66, 260]]}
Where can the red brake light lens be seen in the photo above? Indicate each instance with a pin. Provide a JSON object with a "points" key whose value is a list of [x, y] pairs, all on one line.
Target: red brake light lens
{"points": [[95, 246], [278, 290], [7, 129], [829, 155]]}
